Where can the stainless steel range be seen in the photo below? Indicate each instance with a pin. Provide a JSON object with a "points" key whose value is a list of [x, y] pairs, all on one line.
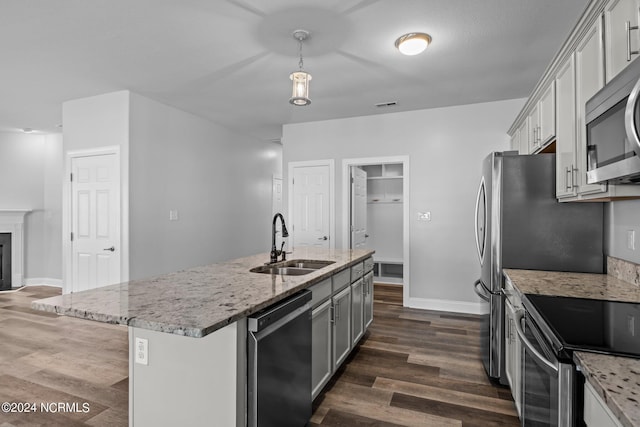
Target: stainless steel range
{"points": [[551, 329]]}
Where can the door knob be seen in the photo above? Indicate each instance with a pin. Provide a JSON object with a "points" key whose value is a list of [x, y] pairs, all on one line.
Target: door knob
{"points": [[112, 249], [323, 238]]}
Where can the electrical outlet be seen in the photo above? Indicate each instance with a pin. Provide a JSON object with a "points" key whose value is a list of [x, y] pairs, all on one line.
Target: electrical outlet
{"points": [[631, 239], [173, 215], [142, 351]]}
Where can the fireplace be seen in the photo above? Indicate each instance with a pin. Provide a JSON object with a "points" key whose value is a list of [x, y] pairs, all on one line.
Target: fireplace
{"points": [[5, 261], [12, 248]]}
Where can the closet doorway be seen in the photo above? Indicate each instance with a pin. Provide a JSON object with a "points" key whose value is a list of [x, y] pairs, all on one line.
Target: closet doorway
{"points": [[375, 214]]}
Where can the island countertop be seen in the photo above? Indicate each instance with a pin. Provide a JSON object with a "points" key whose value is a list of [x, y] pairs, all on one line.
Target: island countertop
{"points": [[197, 301]]}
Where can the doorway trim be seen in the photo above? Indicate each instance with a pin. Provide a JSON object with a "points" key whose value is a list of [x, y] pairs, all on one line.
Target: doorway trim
{"points": [[332, 191], [67, 214], [346, 195]]}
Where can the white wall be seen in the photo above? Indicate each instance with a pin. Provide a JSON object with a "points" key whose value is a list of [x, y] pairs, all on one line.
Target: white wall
{"points": [[620, 217], [446, 147], [217, 179], [29, 176]]}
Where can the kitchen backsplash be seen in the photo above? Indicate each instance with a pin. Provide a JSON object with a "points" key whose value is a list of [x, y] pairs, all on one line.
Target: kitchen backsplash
{"points": [[623, 270]]}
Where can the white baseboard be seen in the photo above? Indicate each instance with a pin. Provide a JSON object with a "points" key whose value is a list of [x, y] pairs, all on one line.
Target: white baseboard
{"points": [[43, 281], [448, 305]]}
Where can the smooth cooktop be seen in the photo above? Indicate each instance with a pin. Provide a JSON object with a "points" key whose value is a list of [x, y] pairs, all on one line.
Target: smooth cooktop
{"points": [[610, 327]]}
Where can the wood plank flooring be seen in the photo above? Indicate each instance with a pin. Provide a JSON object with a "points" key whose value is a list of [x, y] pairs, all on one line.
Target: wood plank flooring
{"points": [[51, 359], [413, 368]]}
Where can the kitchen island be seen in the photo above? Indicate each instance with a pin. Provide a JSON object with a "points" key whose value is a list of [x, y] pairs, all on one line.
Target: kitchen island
{"points": [[616, 380], [193, 369]]}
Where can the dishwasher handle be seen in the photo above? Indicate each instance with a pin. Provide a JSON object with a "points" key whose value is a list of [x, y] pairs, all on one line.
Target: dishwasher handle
{"points": [[270, 315]]}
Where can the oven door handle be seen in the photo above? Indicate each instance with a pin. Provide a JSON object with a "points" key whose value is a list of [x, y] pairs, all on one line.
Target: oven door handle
{"points": [[535, 353]]}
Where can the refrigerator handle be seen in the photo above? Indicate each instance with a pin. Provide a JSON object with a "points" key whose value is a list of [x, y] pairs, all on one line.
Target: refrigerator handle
{"points": [[477, 291], [480, 188]]}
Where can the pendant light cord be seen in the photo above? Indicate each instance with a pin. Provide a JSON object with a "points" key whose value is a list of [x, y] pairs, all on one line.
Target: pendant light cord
{"points": [[300, 63]]}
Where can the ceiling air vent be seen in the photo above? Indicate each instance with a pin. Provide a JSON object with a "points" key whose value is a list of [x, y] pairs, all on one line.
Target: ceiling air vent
{"points": [[386, 104]]}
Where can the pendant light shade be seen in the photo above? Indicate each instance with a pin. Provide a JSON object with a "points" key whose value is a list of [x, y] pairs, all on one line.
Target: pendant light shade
{"points": [[300, 79], [300, 95]]}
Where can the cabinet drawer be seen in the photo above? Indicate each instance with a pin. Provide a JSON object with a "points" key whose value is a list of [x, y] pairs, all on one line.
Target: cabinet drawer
{"points": [[357, 271], [341, 279], [320, 292], [368, 264]]}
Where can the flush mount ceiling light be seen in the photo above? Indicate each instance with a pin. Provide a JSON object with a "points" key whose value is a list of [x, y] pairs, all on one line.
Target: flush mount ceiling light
{"points": [[413, 43], [300, 78]]}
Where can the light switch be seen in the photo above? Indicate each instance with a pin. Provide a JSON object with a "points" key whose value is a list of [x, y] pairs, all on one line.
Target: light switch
{"points": [[631, 239], [173, 215], [424, 216]]}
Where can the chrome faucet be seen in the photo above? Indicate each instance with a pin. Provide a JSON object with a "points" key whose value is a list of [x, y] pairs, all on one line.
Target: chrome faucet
{"points": [[276, 252]]}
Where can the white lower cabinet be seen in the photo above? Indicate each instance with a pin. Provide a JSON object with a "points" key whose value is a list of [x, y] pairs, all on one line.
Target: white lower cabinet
{"points": [[341, 313], [596, 413], [357, 312], [341, 326], [513, 352], [321, 347], [368, 299]]}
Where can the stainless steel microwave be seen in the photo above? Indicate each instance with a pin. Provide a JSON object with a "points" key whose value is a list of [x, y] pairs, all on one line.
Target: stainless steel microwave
{"points": [[612, 116]]}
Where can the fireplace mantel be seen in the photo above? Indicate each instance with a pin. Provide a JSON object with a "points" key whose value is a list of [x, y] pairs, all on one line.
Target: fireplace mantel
{"points": [[12, 221]]}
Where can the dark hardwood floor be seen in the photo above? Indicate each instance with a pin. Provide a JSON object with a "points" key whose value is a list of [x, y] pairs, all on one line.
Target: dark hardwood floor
{"points": [[413, 368]]}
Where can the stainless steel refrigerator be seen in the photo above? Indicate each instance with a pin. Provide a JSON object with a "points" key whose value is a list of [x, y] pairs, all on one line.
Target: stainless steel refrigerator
{"points": [[520, 224]]}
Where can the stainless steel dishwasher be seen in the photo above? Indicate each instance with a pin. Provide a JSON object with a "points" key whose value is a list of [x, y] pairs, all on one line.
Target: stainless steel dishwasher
{"points": [[279, 364]]}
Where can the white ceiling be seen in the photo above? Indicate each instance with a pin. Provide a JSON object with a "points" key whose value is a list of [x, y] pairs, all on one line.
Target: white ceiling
{"points": [[229, 60]]}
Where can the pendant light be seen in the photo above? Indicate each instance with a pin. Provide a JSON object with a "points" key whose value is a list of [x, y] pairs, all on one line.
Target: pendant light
{"points": [[300, 78]]}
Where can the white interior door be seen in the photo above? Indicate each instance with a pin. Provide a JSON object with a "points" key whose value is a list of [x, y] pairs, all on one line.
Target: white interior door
{"points": [[358, 208], [311, 206], [95, 221]]}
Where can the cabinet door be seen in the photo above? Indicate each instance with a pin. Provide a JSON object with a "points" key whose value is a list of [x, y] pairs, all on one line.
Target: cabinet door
{"points": [[515, 141], [321, 366], [512, 353], [368, 299], [523, 131], [341, 326], [589, 79], [357, 306], [547, 115], [621, 39], [534, 129], [566, 129]]}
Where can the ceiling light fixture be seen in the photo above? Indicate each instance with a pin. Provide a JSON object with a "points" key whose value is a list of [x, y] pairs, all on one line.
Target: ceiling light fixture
{"points": [[413, 43], [300, 78]]}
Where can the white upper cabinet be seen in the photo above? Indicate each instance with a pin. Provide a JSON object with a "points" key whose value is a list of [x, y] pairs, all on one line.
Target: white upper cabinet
{"points": [[622, 37], [523, 132], [603, 42], [547, 111], [589, 79], [566, 129]]}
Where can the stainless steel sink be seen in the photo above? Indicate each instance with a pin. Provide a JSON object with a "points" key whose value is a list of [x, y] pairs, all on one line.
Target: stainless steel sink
{"points": [[307, 263], [294, 267]]}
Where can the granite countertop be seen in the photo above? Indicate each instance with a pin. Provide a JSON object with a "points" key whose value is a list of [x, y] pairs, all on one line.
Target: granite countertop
{"points": [[197, 301], [615, 379], [576, 285]]}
